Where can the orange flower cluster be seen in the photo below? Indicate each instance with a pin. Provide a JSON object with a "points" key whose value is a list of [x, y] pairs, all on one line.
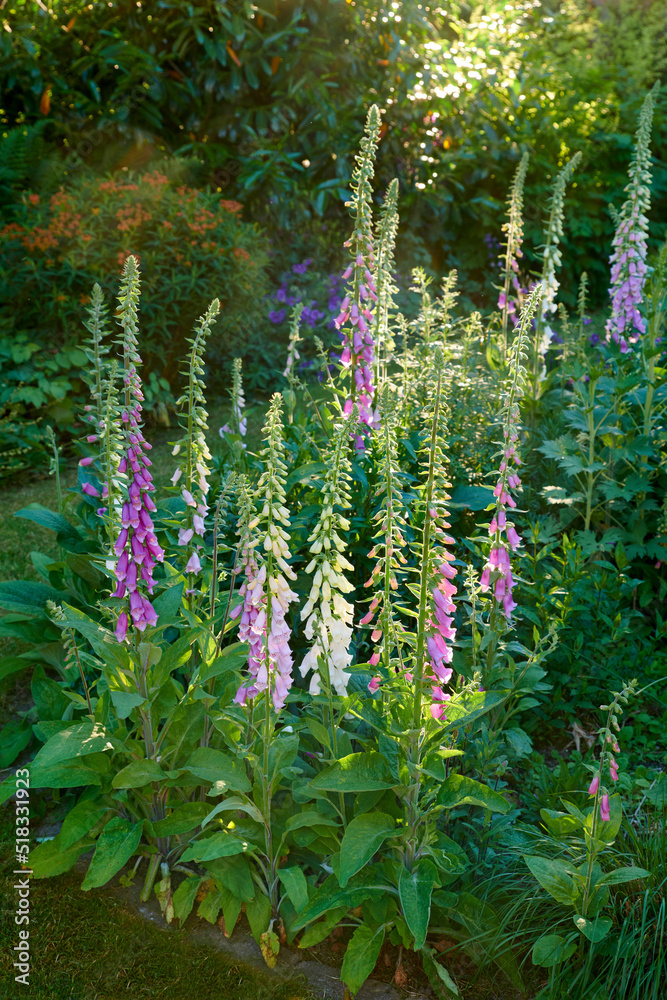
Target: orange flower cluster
{"points": [[155, 179], [130, 216], [240, 253], [203, 220], [230, 206]]}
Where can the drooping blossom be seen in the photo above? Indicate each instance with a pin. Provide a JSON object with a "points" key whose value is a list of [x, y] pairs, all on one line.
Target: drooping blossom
{"points": [[294, 338], [239, 422], [551, 261], [328, 615], [389, 543], [513, 230], [191, 475], [136, 548], [266, 592], [628, 260], [355, 318], [497, 573]]}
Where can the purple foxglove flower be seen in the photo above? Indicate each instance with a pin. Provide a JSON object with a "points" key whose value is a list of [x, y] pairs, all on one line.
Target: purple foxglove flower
{"points": [[604, 808], [193, 564], [184, 535], [121, 627], [594, 785]]}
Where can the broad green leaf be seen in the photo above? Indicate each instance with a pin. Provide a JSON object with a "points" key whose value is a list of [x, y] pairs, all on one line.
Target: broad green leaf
{"points": [[472, 497], [168, 604], [11, 665], [70, 774], [358, 772], [77, 741], [101, 639], [258, 912], [231, 909], [369, 883], [14, 737], [595, 930], [231, 658], [183, 819], [233, 805], [319, 931], [559, 824], [115, 846], [125, 702], [234, 874], [459, 790], [441, 981], [361, 840], [553, 876], [552, 949], [308, 473], [219, 845], [80, 820], [360, 956], [184, 898], [210, 906], [466, 708], [622, 875], [295, 885], [214, 765], [138, 773], [27, 596], [414, 892], [51, 858], [173, 658], [51, 520], [309, 819]]}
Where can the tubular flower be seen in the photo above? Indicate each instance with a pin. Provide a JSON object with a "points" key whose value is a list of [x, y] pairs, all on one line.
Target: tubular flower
{"points": [[356, 310], [513, 230], [239, 423], [191, 476], [440, 624], [266, 592], [497, 573], [294, 338], [551, 258], [136, 547], [628, 261], [328, 614], [389, 540]]}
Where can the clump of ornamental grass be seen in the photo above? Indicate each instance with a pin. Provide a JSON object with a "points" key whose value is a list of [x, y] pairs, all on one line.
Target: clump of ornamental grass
{"points": [[628, 261], [191, 477]]}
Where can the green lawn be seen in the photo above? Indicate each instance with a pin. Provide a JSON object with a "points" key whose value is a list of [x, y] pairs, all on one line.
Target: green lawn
{"points": [[92, 946]]}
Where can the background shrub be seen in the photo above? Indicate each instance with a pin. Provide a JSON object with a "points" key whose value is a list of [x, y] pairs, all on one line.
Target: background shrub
{"points": [[192, 245]]}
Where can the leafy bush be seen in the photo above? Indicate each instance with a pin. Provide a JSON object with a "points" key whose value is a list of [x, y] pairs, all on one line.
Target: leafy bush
{"points": [[192, 245]]}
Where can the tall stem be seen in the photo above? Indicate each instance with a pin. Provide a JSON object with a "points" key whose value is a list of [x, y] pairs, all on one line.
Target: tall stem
{"points": [[423, 588]]}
